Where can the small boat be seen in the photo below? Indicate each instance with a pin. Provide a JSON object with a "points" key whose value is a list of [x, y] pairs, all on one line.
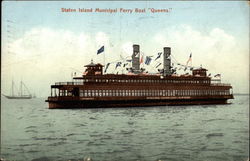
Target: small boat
{"points": [[23, 93]]}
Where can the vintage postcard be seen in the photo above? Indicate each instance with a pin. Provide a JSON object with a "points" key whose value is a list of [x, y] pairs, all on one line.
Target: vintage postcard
{"points": [[125, 81]]}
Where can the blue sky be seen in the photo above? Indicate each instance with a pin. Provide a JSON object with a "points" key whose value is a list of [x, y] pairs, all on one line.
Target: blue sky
{"points": [[42, 38], [229, 15]]}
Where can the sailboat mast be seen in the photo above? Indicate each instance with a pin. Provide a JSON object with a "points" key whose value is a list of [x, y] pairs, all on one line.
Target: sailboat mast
{"points": [[12, 88], [21, 88]]}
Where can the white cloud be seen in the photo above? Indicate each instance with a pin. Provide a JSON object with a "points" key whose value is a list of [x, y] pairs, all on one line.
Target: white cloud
{"points": [[127, 48], [44, 55], [216, 50], [161, 39], [102, 39]]}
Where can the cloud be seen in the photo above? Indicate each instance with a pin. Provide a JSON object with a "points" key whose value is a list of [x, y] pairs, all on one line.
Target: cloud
{"points": [[127, 48], [102, 39], [216, 50], [44, 55]]}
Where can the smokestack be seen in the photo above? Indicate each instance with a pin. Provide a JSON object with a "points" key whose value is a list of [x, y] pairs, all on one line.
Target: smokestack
{"points": [[136, 58], [166, 61]]}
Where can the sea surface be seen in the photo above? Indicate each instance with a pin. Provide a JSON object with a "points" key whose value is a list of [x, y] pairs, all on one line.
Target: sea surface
{"points": [[31, 131]]}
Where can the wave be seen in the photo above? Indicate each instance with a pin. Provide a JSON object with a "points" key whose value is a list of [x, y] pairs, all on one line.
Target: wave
{"points": [[214, 135]]}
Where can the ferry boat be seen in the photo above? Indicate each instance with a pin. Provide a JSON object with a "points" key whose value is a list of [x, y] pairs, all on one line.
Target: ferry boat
{"points": [[94, 89]]}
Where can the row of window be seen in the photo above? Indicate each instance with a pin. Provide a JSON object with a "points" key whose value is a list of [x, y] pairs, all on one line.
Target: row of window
{"points": [[145, 81], [119, 93]]}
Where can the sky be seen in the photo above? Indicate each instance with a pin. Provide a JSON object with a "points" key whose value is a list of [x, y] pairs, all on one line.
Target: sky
{"points": [[42, 45]]}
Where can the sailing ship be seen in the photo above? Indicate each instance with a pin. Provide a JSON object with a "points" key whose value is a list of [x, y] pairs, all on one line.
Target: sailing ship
{"points": [[95, 89], [23, 93]]}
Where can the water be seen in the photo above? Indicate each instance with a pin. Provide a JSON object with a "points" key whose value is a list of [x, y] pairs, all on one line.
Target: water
{"points": [[30, 131]]}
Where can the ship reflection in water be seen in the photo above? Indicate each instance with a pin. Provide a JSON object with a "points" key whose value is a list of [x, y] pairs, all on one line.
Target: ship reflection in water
{"points": [[139, 88]]}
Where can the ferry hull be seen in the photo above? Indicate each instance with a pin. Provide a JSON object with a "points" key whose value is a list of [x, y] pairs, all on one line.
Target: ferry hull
{"points": [[130, 103]]}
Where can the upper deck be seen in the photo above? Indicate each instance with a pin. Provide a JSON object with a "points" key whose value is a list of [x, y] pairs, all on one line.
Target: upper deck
{"points": [[93, 76], [153, 80]]}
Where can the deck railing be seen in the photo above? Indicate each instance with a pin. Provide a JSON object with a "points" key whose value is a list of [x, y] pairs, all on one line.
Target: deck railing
{"points": [[220, 84], [69, 83], [72, 98], [82, 83]]}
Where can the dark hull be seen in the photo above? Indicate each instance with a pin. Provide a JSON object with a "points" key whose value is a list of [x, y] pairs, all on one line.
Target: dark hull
{"points": [[18, 97], [130, 103]]}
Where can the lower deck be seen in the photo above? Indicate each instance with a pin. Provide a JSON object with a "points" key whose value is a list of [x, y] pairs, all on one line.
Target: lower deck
{"points": [[84, 102], [180, 91]]}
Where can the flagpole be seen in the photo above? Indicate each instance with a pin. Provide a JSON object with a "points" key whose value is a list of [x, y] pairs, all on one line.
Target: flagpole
{"points": [[104, 58]]}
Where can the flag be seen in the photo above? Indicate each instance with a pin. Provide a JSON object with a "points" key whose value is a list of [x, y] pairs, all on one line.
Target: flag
{"points": [[148, 60], [106, 67], [189, 59], [118, 64], [141, 60], [159, 55], [158, 65], [217, 75], [125, 64], [100, 50]]}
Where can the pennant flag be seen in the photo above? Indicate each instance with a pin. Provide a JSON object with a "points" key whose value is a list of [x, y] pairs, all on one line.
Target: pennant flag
{"points": [[217, 75], [106, 67], [141, 60], [100, 50], [125, 64], [158, 65], [148, 60], [189, 59], [159, 55], [118, 64]]}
